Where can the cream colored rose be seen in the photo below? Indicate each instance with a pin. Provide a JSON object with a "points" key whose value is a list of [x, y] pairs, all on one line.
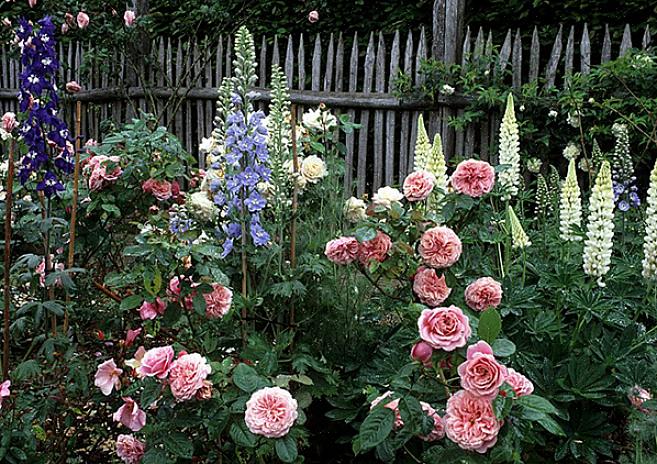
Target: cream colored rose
{"points": [[201, 206], [354, 209], [313, 169], [385, 196], [319, 120]]}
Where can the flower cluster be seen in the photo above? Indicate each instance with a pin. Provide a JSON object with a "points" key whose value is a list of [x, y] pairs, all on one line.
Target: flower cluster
{"points": [[570, 206], [509, 178], [625, 190], [48, 141], [650, 240]]}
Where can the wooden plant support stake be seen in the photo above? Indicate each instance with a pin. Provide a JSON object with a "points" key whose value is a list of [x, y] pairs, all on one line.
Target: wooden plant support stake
{"points": [[74, 206], [7, 256], [295, 194]]}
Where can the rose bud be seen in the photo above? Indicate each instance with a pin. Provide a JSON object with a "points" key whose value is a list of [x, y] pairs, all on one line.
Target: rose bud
{"points": [[313, 16], [73, 87], [422, 352]]}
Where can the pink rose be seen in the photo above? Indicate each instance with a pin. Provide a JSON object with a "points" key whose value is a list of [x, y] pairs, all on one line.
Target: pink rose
{"points": [[217, 303], [376, 249], [418, 185], [9, 122], [73, 87], [129, 18], [187, 375], [4, 391], [430, 289], [483, 293], [131, 336], [104, 170], [69, 19], [83, 20], [470, 422], [107, 377], [480, 373], [313, 16], [130, 415], [438, 431], [343, 250], [6, 22], [473, 178], [174, 289], [32, 3], [161, 189], [440, 247], [150, 310], [156, 362], [271, 412], [392, 405], [64, 28], [205, 392], [638, 396], [422, 352], [129, 449], [521, 385], [444, 328]]}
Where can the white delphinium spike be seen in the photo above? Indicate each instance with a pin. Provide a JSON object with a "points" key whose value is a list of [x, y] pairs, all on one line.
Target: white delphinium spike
{"points": [[570, 206], [518, 236], [436, 165], [650, 240], [422, 146], [600, 228], [623, 168], [509, 154]]}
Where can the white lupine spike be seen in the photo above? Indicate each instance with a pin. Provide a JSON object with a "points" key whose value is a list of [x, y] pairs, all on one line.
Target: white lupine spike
{"points": [[422, 146], [650, 239], [570, 206], [600, 229], [436, 165], [509, 154], [518, 235]]}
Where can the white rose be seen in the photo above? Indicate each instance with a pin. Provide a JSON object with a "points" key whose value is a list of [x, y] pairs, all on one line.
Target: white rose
{"points": [[355, 209], [319, 120], [202, 206], [313, 169], [447, 89], [385, 196]]}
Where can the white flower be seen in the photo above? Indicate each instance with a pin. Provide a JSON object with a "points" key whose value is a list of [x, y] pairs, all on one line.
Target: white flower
{"points": [[319, 120], [518, 236], [600, 229], [570, 206], [573, 119], [571, 152], [385, 196], [584, 165], [201, 206], [553, 114], [509, 155], [4, 135], [522, 108], [313, 169], [534, 165], [447, 89], [436, 165], [591, 100], [266, 188], [422, 146], [208, 144], [355, 209], [650, 240]]}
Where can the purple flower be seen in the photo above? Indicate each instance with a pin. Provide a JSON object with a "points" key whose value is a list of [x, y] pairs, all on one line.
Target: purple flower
{"points": [[623, 206], [634, 198], [258, 234]]}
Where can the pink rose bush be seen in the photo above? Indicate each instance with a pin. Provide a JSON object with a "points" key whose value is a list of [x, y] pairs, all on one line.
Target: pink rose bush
{"points": [[156, 362], [473, 178], [483, 293], [129, 449], [470, 422], [418, 185], [187, 375], [9, 122], [271, 412], [444, 328], [481, 374], [440, 247], [83, 20], [130, 415], [429, 288], [129, 18], [217, 302], [343, 250], [150, 310], [376, 249], [103, 171]]}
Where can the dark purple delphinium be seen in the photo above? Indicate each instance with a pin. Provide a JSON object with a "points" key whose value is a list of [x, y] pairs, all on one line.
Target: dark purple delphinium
{"points": [[246, 165], [48, 141]]}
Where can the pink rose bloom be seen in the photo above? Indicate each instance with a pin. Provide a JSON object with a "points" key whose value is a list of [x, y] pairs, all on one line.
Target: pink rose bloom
{"points": [[638, 396], [205, 392], [187, 375], [107, 377], [392, 405], [418, 185], [83, 20], [438, 431], [444, 328], [129, 449], [32, 3], [174, 288], [313, 16], [430, 289], [4, 391], [343, 250], [480, 373], [440, 247], [375, 249], [101, 174], [483, 293], [160, 189], [422, 352], [156, 362], [218, 302], [150, 310], [521, 385], [129, 18], [130, 415], [271, 412], [473, 178], [470, 422], [131, 336], [9, 122], [73, 87]]}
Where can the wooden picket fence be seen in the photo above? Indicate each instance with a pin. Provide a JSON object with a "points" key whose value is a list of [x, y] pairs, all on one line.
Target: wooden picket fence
{"points": [[354, 75]]}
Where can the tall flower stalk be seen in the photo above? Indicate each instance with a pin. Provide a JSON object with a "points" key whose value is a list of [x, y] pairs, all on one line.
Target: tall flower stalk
{"points": [[509, 154], [625, 190], [422, 146], [600, 228], [436, 165], [570, 206], [650, 240]]}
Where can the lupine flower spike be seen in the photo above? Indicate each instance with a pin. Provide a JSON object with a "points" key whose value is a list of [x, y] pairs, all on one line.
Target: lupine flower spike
{"points": [[570, 206], [518, 235], [509, 155], [422, 146], [650, 240], [436, 166]]}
